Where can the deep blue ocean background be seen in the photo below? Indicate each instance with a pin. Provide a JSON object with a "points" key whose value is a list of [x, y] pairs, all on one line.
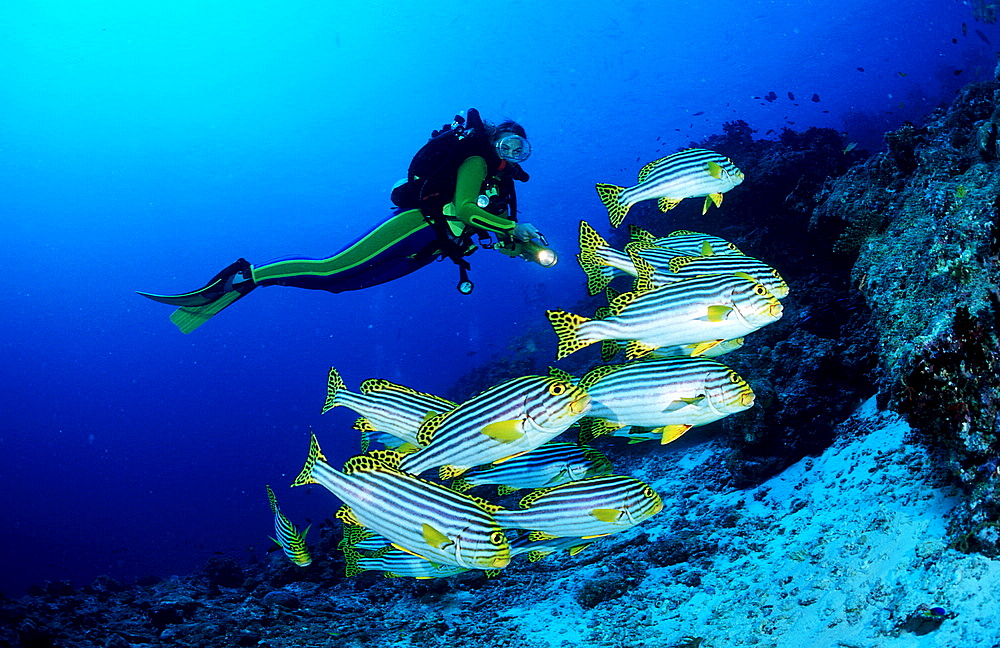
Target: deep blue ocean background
{"points": [[144, 146]]}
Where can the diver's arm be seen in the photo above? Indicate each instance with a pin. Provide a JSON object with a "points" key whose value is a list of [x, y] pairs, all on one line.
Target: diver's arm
{"points": [[471, 176]]}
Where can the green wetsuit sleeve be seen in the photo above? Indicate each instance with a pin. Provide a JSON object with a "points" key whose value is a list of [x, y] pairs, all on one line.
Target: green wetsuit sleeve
{"points": [[469, 181]]}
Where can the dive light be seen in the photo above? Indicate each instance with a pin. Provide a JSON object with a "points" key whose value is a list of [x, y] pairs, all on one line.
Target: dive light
{"points": [[537, 253]]}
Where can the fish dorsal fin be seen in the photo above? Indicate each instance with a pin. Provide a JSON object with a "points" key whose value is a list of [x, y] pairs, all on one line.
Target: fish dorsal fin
{"points": [[714, 170], [486, 505], [637, 349], [678, 263], [609, 349], [682, 232], [648, 168], [272, 500], [621, 301], [450, 472], [334, 385], [606, 515], [636, 233], [346, 515], [533, 496], [364, 425], [374, 461], [504, 431], [353, 534], [561, 374], [535, 536], [427, 429], [644, 274], [375, 385], [388, 458], [597, 373], [460, 485], [611, 293]]}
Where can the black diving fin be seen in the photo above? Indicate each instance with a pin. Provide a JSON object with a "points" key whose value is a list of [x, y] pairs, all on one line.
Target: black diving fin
{"points": [[198, 306]]}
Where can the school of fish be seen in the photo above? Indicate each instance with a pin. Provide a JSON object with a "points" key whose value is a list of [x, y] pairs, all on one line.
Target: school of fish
{"points": [[427, 503]]}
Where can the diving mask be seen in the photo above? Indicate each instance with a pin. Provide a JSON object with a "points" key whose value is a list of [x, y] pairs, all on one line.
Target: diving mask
{"points": [[513, 148]]}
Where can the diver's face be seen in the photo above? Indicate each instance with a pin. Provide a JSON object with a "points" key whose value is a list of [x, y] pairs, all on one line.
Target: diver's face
{"points": [[512, 147]]}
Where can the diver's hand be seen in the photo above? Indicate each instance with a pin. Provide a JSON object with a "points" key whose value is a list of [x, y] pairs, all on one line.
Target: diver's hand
{"points": [[525, 232]]}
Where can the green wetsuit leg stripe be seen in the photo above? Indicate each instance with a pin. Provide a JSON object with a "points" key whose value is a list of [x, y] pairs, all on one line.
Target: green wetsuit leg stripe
{"points": [[384, 236]]}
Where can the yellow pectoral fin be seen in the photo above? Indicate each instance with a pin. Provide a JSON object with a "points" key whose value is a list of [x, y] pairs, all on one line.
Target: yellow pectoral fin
{"points": [[716, 198], [434, 538], [671, 432], [504, 431], [609, 516], [718, 313], [715, 170]]}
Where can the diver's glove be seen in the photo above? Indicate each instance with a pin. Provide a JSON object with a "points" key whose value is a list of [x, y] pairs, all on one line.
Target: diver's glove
{"points": [[521, 244], [526, 232]]}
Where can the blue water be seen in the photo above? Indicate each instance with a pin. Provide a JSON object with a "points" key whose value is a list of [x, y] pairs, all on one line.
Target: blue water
{"points": [[144, 146]]}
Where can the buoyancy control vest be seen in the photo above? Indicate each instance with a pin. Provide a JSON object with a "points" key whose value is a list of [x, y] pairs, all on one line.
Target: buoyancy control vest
{"points": [[432, 176]]}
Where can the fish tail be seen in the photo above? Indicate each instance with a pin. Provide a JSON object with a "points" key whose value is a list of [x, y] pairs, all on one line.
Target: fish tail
{"points": [[610, 195], [566, 326], [334, 385], [272, 499], [351, 559], [597, 271], [315, 455]]}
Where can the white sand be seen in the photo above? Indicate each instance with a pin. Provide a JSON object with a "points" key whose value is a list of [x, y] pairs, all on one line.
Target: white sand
{"points": [[838, 550]]}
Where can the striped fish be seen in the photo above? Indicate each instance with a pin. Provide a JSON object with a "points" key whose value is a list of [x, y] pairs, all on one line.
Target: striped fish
{"points": [[424, 518], [538, 548], [685, 241], [394, 563], [685, 174], [602, 263], [511, 418], [684, 267], [670, 395], [712, 307], [549, 465], [386, 406], [287, 536], [584, 509]]}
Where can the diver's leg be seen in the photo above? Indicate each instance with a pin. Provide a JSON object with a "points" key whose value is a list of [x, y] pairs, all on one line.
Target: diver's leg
{"points": [[402, 244]]}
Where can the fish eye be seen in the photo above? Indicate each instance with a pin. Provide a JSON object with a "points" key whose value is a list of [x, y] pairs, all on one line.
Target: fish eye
{"points": [[734, 377], [497, 538], [648, 492], [760, 290], [557, 389]]}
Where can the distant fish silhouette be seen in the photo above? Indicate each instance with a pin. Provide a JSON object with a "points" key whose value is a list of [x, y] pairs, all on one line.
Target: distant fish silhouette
{"points": [[815, 98], [861, 69], [791, 96]]}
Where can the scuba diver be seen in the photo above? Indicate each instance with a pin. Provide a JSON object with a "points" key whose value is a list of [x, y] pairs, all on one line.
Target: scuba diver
{"points": [[458, 196]]}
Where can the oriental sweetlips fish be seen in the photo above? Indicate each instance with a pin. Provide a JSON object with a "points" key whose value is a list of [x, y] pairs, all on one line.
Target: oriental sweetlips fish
{"points": [[550, 465], [585, 509], [287, 536], [671, 396], [509, 419], [385, 406], [601, 263], [685, 174], [426, 519], [706, 309]]}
